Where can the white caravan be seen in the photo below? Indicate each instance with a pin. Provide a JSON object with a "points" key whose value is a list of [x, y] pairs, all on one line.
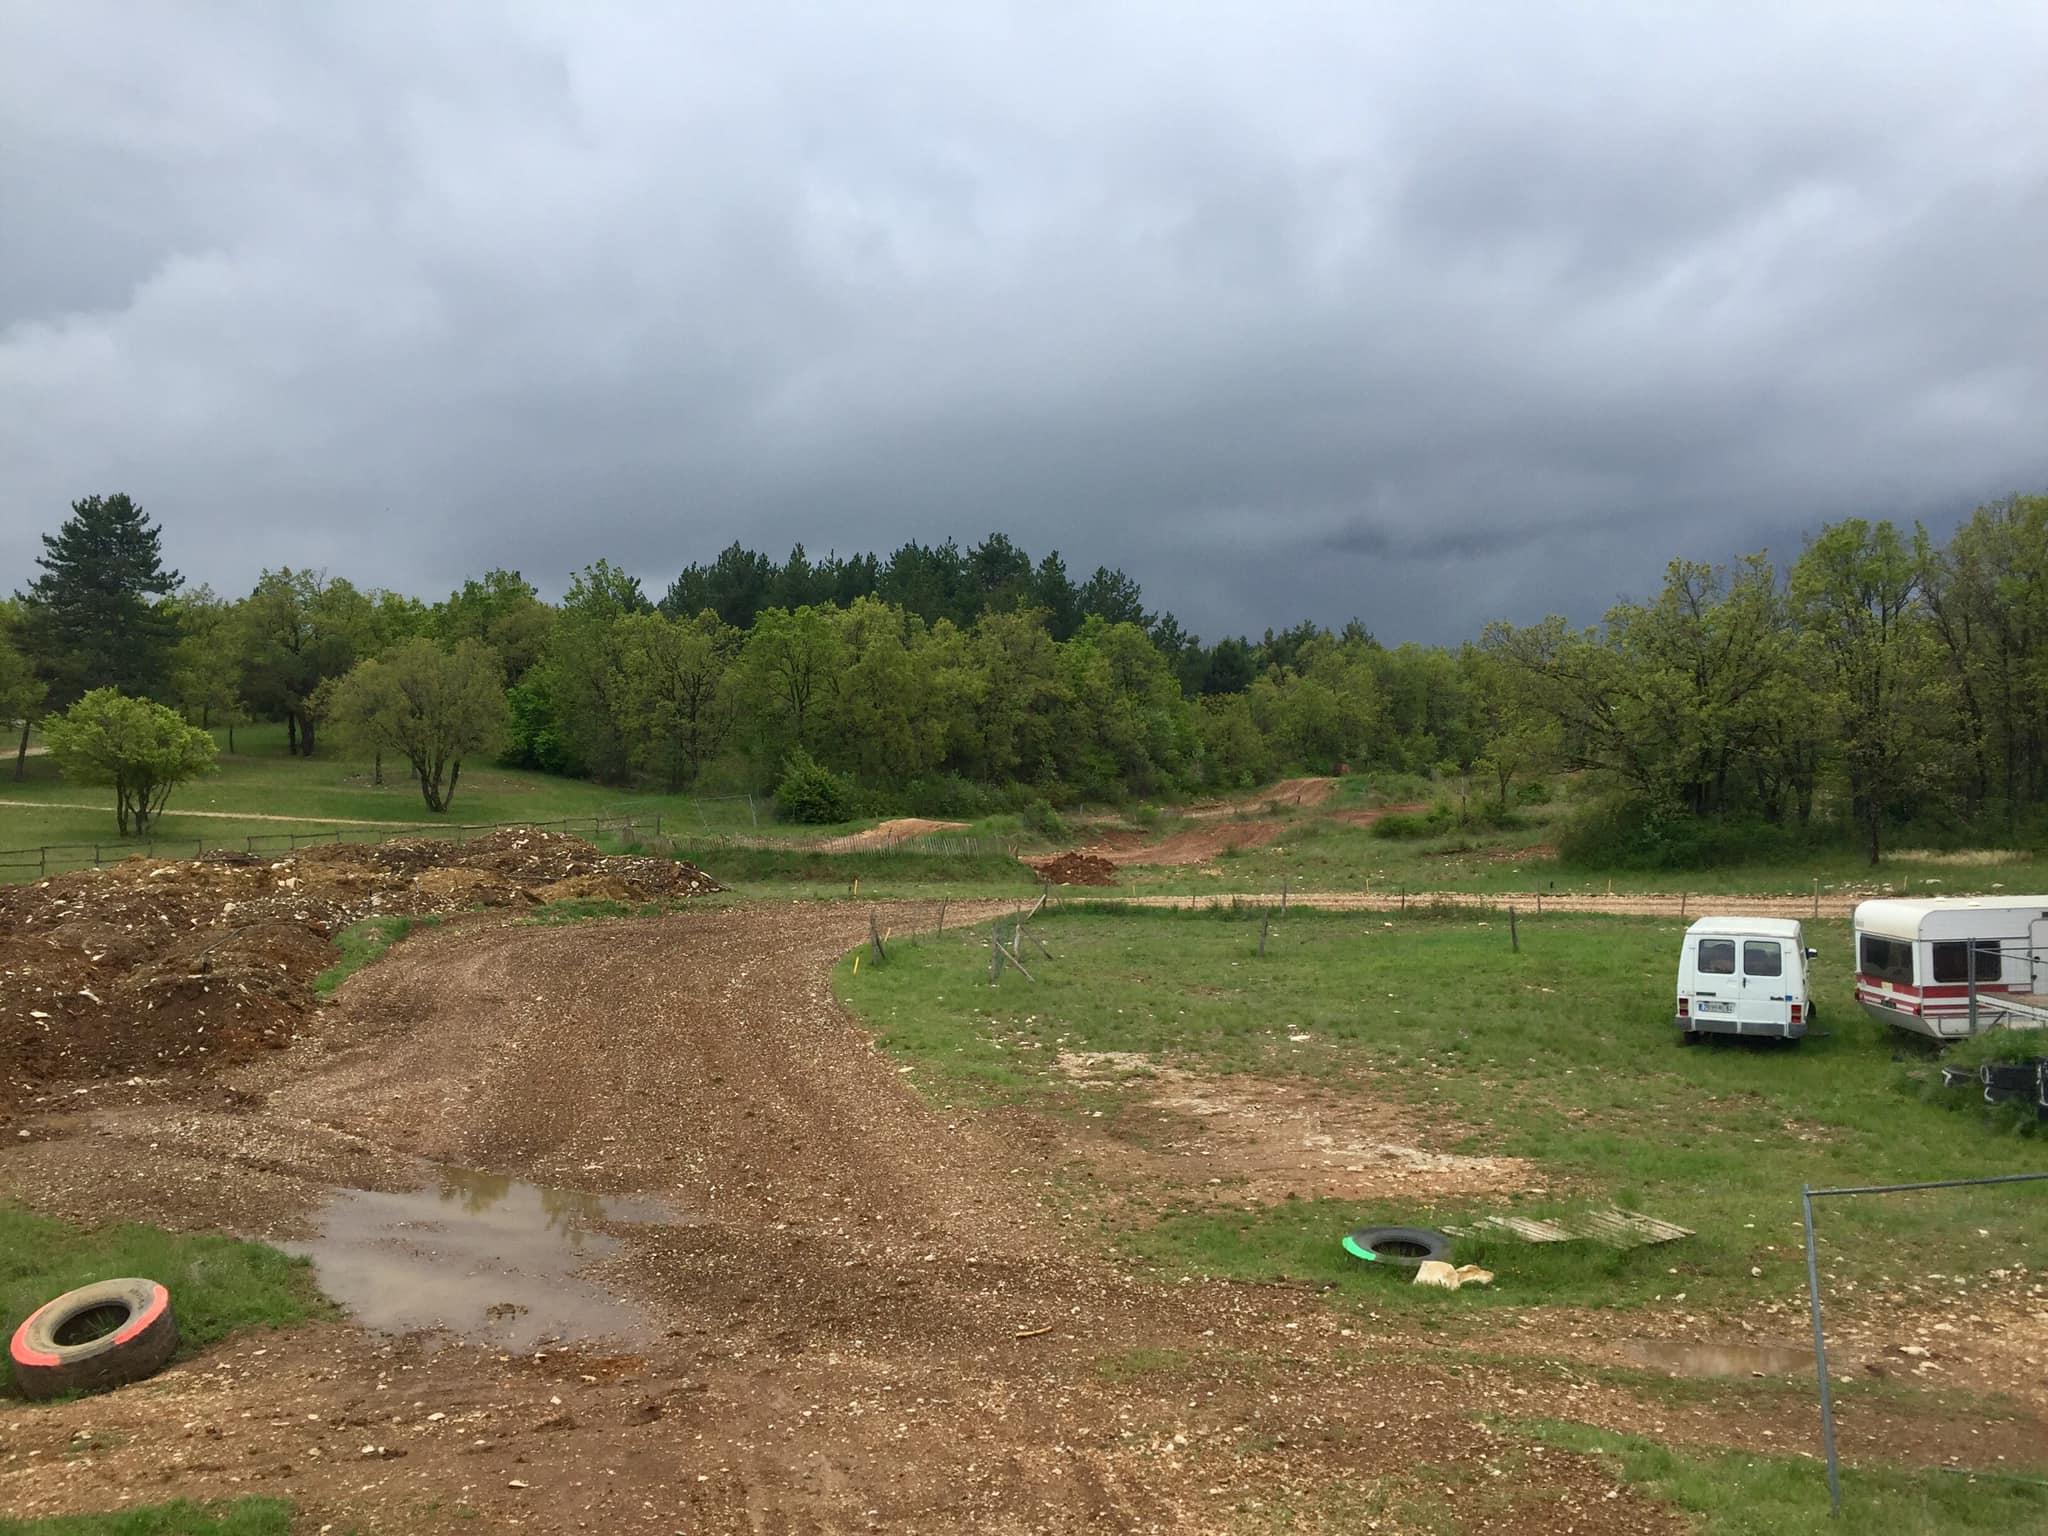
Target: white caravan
{"points": [[1916, 962], [1743, 976]]}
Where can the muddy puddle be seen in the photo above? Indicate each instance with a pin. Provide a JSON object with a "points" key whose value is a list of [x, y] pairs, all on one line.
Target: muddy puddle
{"points": [[1679, 1358], [480, 1255]]}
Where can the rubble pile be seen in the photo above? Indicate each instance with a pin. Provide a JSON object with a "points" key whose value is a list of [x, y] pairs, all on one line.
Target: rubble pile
{"points": [[1077, 869], [150, 963]]}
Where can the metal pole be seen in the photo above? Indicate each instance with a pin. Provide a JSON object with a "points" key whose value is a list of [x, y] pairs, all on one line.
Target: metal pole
{"points": [[1973, 986], [1820, 1359], [1514, 933]]}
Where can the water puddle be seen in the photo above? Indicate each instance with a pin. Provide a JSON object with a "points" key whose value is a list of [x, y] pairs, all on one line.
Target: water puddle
{"points": [[482, 1255], [1683, 1359]]}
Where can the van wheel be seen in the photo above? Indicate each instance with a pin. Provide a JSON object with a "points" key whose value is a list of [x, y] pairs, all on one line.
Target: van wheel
{"points": [[1688, 1037]]}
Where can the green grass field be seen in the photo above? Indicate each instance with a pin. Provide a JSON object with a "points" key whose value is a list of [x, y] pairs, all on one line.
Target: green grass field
{"points": [[241, 1517], [1313, 851], [217, 1284], [1741, 1494], [1563, 1054]]}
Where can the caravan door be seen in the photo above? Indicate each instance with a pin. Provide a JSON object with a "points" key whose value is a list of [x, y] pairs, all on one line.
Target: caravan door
{"points": [[2037, 946], [1764, 998]]}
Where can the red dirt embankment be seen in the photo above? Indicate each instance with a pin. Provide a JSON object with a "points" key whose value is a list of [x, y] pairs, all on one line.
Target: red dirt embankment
{"points": [[151, 963]]}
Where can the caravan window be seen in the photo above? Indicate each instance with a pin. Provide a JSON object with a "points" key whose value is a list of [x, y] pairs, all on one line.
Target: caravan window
{"points": [[1717, 957], [1952, 961], [1887, 959], [1762, 957]]}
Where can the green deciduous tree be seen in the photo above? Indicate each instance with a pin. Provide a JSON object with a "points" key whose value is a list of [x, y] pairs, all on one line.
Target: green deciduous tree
{"points": [[433, 707], [141, 748], [300, 629], [579, 675], [21, 691], [502, 611], [1855, 592], [90, 616], [206, 664], [675, 702]]}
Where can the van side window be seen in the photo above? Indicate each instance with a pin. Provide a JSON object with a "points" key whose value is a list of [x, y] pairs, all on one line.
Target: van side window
{"points": [[1952, 961], [1717, 957], [1887, 959], [1762, 957]]}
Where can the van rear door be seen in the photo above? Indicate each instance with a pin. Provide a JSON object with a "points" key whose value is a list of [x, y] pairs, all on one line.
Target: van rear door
{"points": [[1763, 999]]}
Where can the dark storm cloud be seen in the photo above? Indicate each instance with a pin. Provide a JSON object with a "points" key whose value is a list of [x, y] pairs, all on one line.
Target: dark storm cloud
{"points": [[1422, 314]]}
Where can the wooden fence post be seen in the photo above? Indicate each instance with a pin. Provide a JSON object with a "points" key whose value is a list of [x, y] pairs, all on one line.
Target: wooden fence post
{"points": [[1514, 933], [1265, 922]]}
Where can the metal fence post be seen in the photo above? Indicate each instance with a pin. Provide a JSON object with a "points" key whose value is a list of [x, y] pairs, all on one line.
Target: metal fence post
{"points": [[1973, 986], [1820, 1357]]}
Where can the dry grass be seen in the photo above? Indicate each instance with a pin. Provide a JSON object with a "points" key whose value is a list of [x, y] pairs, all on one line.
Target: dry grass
{"points": [[1972, 858]]}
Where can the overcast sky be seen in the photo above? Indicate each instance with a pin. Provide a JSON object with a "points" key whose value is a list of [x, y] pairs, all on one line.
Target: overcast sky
{"points": [[1425, 313]]}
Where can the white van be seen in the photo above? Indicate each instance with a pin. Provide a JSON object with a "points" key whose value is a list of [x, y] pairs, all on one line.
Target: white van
{"points": [[1743, 976]]}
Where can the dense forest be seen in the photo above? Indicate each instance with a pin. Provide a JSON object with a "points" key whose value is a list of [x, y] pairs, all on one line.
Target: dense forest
{"points": [[1879, 683]]}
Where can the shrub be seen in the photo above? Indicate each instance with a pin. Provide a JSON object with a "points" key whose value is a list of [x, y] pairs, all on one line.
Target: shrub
{"points": [[1040, 818], [1438, 819], [1535, 792], [811, 793]]}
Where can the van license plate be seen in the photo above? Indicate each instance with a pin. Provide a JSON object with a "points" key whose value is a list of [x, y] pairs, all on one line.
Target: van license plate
{"points": [[1709, 1007]]}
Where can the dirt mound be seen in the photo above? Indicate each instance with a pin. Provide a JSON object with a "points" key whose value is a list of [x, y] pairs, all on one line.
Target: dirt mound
{"points": [[1077, 869], [152, 963]]}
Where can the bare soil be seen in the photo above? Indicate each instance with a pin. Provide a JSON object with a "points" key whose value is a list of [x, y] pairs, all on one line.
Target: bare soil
{"points": [[875, 1315], [1288, 794], [1077, 869], [164, 965], [1259, 1140]]}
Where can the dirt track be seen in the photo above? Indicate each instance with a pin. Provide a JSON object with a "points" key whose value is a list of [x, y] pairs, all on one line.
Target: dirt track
{"points": [[876, 1319], [1622, 904]]}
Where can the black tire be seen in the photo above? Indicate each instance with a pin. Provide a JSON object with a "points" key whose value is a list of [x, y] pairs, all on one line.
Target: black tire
{"points": [[1688, 1037], [95, 1337], [1398, 1247]]}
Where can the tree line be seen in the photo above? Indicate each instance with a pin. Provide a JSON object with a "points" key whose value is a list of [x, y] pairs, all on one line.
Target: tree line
{"points": [[1880, 680]]}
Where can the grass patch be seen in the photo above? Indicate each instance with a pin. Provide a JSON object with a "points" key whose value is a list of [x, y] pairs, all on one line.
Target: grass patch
{"points": [[241, 1517], [556, 913], [1563, 1054], [1739, 1494], [217, 1284], [362, 942], [1139, 1364]]}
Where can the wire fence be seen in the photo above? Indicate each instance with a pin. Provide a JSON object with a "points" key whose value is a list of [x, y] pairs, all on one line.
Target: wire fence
{"points": [[57, 858], [1807, 1196]]}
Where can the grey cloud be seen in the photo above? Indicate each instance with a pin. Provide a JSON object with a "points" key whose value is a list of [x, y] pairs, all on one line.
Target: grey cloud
{"points": [[1427, 315]]}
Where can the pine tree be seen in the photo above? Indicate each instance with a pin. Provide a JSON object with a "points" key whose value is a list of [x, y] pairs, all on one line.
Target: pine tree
{"points": [[88, 618]]}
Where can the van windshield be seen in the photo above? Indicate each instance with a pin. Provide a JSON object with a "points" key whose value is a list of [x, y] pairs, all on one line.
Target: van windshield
{"points": [[1717, 957]]}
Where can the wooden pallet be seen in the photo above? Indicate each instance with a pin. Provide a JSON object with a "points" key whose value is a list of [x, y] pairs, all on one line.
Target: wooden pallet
{"points": [[1614, 1227]]}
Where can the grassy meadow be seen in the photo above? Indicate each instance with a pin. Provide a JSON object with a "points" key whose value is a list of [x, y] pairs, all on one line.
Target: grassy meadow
{"points": [[1563, 1054]]}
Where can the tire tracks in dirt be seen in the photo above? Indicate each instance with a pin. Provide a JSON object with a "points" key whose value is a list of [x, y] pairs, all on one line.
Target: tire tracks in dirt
{"points": [[842, 1297]]}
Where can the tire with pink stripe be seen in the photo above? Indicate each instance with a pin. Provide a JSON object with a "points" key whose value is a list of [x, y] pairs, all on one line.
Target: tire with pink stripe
{"points": [[95, 1337]]}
